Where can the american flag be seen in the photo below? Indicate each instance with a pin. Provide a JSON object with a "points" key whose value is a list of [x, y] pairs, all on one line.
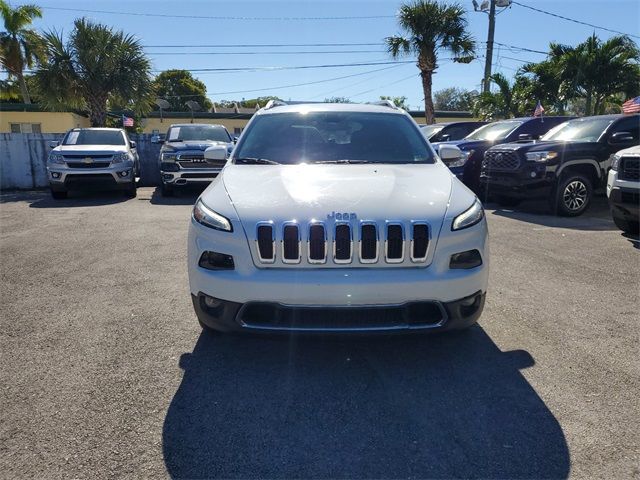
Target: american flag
{"points": [[631, 106], [539, 110], [127, 121]]}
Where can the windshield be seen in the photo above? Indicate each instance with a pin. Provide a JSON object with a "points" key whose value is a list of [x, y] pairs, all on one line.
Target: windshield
{"points": [[198, 132], [582, 130], [430, 130], [94, 137], [494, 131], [293, 138]]}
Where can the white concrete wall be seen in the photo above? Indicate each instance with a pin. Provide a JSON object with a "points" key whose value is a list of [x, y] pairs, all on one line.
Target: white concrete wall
{"points": [[23, 159]]}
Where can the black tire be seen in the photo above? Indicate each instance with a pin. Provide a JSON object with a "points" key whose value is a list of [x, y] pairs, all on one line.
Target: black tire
{"points": [[572, 195], [625, 225], [507, 201], [59, 194], [166, 190], [208, 330], [131, 190]]}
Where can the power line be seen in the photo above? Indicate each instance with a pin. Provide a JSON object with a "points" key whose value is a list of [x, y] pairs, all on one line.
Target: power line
{"points": [[220, 17], [304, 84], [520, 49], [297, 67], [269, 45], [573, 20], [345, 87], [299, 52], [413, 75]]}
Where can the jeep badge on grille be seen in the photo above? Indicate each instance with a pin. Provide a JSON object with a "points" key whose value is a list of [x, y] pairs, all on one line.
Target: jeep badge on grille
{"points": [[341, 216]]}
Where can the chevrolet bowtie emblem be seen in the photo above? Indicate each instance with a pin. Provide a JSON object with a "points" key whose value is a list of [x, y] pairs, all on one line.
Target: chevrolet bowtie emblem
{"points": [[87, 160]]}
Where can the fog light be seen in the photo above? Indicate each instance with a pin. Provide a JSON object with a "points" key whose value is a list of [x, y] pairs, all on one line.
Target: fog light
{"points": [[533, 174], [465, 260], [216, 261], [167, 176], [55, 174], [124, 173], [211, 302]]}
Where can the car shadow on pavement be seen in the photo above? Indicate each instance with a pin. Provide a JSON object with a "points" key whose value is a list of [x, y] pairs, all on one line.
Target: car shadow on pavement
{"points": [[420, 407], [43, 199], [596, 218], [186, 195], [633, 239]]}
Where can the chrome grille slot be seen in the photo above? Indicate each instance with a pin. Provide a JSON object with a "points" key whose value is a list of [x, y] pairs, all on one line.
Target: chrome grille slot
{"points": [[342, 243], [419, 242], [368, 243], [291, 243], [395, 243], [317, 243], [266, 243]]}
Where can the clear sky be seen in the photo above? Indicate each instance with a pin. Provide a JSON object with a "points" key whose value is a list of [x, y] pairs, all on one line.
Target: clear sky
{"points": [[270, 22]]}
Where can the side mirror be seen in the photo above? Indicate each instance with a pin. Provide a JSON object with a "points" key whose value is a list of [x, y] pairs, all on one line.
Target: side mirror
{"points": [[525, 136], [449, 153], [54, 143], [216, 152], [620, 137], [132, 144]]}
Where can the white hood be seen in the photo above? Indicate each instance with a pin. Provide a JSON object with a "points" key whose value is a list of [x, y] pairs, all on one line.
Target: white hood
{"points": [[304, 192]]}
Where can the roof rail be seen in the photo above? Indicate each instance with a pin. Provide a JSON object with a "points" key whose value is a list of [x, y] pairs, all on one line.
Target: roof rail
{"points": [[385, 103], [274, 103]]}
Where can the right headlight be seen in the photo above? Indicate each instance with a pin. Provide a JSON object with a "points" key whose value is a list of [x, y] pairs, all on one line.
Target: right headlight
{"points": [[207, 217], [541, 156], [469, 217], [168, 156], [56, 158]]}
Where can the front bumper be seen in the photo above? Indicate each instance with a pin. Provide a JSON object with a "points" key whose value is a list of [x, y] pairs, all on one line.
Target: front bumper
{"points": [[530, 181], [116, 176], [288, 294], [184, 176], [273, 317], [625, 202]]}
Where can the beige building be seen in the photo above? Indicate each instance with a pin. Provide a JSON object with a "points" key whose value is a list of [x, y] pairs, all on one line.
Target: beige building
{"points": [[20, 118]]}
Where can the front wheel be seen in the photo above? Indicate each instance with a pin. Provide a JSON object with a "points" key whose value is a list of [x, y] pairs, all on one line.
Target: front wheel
{"points": [[627, 226], [131, 190], [59, 194], [166, 190], [572, 196]]}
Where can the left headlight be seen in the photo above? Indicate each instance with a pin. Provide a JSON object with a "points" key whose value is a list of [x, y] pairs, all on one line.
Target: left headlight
{"points": [[207, 217], [56, 158], [541, 156], [469, 217], [463, 159], [121, 157]]}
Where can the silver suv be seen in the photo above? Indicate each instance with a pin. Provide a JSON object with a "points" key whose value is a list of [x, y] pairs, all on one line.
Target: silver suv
{"points": [[93, 158], [182, 158]]}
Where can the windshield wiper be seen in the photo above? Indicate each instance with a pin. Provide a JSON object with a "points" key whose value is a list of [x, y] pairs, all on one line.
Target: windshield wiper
{"points": [[254, 161], [344, 160]]}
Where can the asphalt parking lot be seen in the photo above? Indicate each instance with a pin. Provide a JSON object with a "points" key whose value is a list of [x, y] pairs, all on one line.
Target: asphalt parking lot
{"points": [[105, 372]]}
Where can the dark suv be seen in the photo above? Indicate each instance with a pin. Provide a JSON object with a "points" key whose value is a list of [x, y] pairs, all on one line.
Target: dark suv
{"points": [[564, 167], [446, 131], [475, 144]]}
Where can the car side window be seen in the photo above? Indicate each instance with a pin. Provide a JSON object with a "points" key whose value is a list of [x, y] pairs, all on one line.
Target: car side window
{"points": [[631, 125]]}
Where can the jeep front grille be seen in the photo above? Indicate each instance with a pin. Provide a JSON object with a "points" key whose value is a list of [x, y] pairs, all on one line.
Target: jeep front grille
{"points": [[629, 168], [342, 243], [501, 160]]}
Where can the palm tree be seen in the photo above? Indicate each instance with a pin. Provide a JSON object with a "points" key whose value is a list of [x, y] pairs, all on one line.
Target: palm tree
{"points": [[20, 46], [600, 71], [431, 27], [95, 67], [500, 104]]}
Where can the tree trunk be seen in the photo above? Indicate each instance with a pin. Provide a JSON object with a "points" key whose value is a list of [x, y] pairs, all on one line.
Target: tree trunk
{"points": [[427, 80], [23, 89], [588, 104], [97, 110]]}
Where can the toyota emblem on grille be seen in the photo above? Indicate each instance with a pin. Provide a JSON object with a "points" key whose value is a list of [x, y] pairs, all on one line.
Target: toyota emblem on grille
{"points": [[499, 157]]}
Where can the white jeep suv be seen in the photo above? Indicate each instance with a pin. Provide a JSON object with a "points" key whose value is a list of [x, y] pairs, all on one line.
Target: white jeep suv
{"points": [[336, 218]]}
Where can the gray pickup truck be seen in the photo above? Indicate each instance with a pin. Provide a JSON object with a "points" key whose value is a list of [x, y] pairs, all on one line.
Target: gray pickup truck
{"points": [[93, 158]]}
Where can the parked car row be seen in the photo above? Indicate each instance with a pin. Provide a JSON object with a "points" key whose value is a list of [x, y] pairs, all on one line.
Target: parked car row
{"points": [[559, 159]]}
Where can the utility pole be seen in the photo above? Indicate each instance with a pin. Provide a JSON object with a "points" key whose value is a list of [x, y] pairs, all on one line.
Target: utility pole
{"points": [[489, 55]]}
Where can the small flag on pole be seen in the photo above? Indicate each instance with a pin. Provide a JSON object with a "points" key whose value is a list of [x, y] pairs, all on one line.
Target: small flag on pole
{"points": [[539, 110], [127, 121], [631, 106]]}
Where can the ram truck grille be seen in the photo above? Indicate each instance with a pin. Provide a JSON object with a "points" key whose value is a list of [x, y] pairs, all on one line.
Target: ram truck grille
{"points": [[629, 168], [197, 160], [498, 160], [365, 243]]}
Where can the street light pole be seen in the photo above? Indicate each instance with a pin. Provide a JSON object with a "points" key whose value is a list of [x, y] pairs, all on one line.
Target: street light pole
{"points": [[489, 55]]}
